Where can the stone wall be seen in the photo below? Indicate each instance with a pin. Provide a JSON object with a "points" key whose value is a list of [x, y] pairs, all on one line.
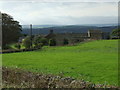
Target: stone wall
{"points": [[71, 37], [95, 34]]}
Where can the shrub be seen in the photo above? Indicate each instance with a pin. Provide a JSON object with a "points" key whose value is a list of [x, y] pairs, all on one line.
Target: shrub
{"points": [[39, 45], [27, 42], [65, 42], [39, 41], [6, 47], [18, 46], [44, 41], [36, 40], [116, 33], [52, 42]]}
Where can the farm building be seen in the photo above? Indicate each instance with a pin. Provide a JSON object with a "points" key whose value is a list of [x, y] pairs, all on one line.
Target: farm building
{"points": [[71, 38]]}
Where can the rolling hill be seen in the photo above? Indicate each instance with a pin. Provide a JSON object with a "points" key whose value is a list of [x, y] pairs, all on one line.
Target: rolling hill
{"points": [[38, 29]]}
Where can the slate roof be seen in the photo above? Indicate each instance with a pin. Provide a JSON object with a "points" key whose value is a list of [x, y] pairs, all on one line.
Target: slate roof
{"points": [[50, 35]]}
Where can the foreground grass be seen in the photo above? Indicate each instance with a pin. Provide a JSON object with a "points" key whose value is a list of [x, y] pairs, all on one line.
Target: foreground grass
{"points": [[93, 61]]}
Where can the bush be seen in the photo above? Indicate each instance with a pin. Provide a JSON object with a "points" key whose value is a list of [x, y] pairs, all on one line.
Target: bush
{"points": [[116, 33], [52, 42], [6, 47], [18, 46], [36, 40], [39, 45], [65, 42], [27, 42], [44, 41], [39, 41]]}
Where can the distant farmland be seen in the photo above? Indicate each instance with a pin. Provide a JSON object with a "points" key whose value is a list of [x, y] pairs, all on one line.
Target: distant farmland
{"points": [[94, 61]]}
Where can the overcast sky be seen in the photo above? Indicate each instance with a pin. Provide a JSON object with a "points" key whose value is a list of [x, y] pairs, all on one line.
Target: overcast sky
{"points": [[61, 12]]}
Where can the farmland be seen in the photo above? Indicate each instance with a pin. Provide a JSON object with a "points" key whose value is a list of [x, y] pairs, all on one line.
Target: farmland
{"points": [[95, 61]]}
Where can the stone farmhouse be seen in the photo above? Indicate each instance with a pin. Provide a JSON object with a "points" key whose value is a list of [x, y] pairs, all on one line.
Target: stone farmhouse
{"points": [[73, 38]]}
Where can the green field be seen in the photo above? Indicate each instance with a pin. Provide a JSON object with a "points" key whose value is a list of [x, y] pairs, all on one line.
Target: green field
{"points": [[95, 61]]}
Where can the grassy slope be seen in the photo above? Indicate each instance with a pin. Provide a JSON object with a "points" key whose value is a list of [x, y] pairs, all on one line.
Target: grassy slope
{"points": [[94, 61]]}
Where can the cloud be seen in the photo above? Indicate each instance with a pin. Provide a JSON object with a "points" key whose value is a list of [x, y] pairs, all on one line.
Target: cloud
{"points": [[60, 12]]}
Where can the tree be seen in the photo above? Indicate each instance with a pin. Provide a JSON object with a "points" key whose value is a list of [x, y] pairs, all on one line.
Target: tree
{"points": [[52, 42], [11, 30], [116, 32], [27, 42], [18, 46], [44, 41], [37, 41]]}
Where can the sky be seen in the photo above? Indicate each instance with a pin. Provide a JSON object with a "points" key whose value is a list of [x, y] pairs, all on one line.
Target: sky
{"points": [[62, 12]]}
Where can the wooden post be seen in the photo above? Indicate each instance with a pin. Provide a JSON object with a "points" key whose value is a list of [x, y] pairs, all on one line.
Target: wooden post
{"points": [[31, 34]]}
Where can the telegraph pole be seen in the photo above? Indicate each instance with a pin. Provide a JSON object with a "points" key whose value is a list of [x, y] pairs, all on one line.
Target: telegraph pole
{"points": [[31, 34]]}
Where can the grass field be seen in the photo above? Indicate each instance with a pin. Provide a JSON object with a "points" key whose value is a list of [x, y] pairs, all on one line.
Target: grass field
{"points": [[95, 61]]}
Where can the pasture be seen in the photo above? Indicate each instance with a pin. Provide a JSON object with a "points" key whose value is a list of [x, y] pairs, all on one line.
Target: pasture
{"points": [[95, 61]]}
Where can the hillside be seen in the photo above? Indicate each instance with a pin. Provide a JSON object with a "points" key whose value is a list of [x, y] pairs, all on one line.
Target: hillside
{"points": [[66, 29], [94, 61]]}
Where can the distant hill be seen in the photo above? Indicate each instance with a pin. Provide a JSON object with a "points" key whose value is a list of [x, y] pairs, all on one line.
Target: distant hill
{"points": [[44, 29]]}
